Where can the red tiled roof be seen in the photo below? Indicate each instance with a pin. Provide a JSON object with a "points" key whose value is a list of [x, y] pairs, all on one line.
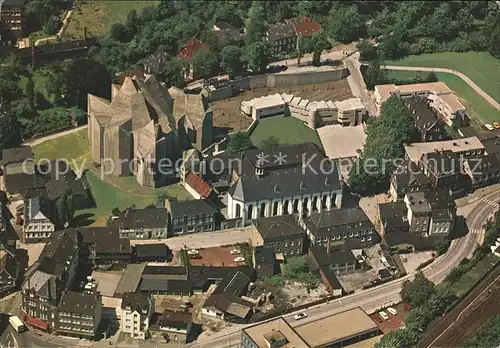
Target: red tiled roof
{"points": [[307, 27], [192, 46], [200, 186], [37, 323]]}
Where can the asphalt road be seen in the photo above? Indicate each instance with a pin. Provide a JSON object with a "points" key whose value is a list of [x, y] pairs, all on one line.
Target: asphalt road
{"points": [[388, 293], [11, 339]]}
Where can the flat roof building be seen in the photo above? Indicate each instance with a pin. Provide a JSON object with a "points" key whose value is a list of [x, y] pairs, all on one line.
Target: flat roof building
{"points": [[415, 151], [263, 107], [341, 329], [273, 333]]}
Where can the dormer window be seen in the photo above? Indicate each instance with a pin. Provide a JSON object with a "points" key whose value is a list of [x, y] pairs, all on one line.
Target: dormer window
{"points": [[259, 171], [302, 185]]}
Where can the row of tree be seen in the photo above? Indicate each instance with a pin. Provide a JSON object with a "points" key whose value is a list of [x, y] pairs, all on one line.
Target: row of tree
{"points": [[384, 146]]}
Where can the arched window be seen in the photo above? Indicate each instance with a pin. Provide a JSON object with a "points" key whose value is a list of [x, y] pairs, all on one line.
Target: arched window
{"points": [[305, 202], [296, 206], [250, 212], [315, 203], [263, 210], [285, 207], [323, 202], [238, 210], [332, 201], [275, 208]]}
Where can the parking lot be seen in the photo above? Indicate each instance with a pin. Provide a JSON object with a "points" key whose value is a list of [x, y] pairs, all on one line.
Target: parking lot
{"points": [[217, 256], [393, 322]]}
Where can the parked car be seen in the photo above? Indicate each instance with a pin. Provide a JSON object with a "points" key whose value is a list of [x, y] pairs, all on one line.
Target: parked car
{"points": [[496, 125], [235, 252], [299, 316], [193, 252], [489, 127], [239, 259], [392, 311], [383, 315]]}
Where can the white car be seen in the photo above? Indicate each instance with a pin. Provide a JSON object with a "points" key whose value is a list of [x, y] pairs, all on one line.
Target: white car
{"points": [[300, 316], [235, 252], [383, 315], [193, 252], [392, 311], [489, 127], [239, 259]]}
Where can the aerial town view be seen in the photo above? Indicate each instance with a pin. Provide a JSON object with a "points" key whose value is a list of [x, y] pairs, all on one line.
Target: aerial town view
{"points": [[249, 174]]}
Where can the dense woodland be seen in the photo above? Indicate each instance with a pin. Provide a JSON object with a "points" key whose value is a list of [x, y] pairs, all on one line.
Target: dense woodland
{"points": [[54, 96]]}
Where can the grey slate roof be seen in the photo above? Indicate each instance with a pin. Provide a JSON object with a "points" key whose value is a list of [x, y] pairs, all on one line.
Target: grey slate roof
{"points": [[80, 303], [408, 174], [334, 221], [105, 240], [264, 255], [283, 226], [281, 31], [192, 207], [300, 173], [17, 154], [394, 215], [326, 259], [423, 116], [145, 218], [151, 250], [137, 301]]}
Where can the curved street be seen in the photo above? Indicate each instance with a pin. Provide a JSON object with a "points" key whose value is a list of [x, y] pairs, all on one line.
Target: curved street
{"points": [[464, 77], [388, 293]]}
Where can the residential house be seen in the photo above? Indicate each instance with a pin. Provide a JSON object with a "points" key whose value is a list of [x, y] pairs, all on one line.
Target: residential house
{"points": [[39, 222], [419, 213], [47, 279], [187, 53], [79, 315], [191, 216], [19, 171], [151, 252], [264, 261], [331, 282], [445, 170], [463, 148], [102, 247], [328, 227], [443, 213], [164, 280], [407, 178], [11, 271], [147, 223], [392, 218], [175, 327], [425, 119], [8, 235], [136, 312], [483, 171], [282, 234], [340, 261], [225, 302], [293, 179], [283, 38], [307, 27], [12, 24], [196, 186], [155, 62], [226, 32]]}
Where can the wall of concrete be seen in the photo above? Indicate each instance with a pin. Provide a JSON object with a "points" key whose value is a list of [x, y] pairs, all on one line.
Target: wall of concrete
{"points": [[221, 93]]}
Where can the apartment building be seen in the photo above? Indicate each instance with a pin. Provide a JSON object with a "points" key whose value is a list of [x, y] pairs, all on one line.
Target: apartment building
{"points": [[136, 312], [191, 216], [12, 23], [79, 315], [147, 223], [282, 234]]}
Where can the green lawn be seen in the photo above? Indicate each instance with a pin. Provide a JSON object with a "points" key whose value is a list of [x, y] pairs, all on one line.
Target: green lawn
{"points": [[481, 67], [99, 16], [72, 147], [289, 130]]}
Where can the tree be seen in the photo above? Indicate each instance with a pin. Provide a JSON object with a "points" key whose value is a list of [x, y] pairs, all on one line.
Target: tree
{"points": [[83, 77], [29, 90], [205, 64], [255, 24], [132, 24], [418, 291], [487, 336], [239, 142], [494, 46], [346, 24], [10, 134], [258, 56], [367, 51], [40, 11], [231, 60], [51, 27], [172, 72], [270, 143], [372, 74], [118, 32]]}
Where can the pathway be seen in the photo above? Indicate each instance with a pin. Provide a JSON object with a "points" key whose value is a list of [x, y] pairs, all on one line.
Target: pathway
{"points": [[61, 30], [464, 77], [54, 136]]}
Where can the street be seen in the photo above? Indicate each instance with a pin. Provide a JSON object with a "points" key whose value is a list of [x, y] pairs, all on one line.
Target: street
{"points": [[372, 299]]}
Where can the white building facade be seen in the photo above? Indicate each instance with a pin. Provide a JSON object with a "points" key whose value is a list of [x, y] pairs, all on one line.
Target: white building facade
{"points": [[136, 312]]}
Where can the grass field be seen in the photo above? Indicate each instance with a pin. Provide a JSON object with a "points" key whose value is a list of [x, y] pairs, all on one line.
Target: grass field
{"points": [[72, 147], [477, 107], [99, 16], [481, 67], [288, 130]]}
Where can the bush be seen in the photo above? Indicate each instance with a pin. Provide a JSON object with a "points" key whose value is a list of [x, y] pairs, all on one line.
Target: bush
{"points": [[442, 247], [52, 26]]}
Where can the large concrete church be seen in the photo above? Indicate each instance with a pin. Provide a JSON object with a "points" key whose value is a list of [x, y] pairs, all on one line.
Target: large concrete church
{"points": [[143, 124]]}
